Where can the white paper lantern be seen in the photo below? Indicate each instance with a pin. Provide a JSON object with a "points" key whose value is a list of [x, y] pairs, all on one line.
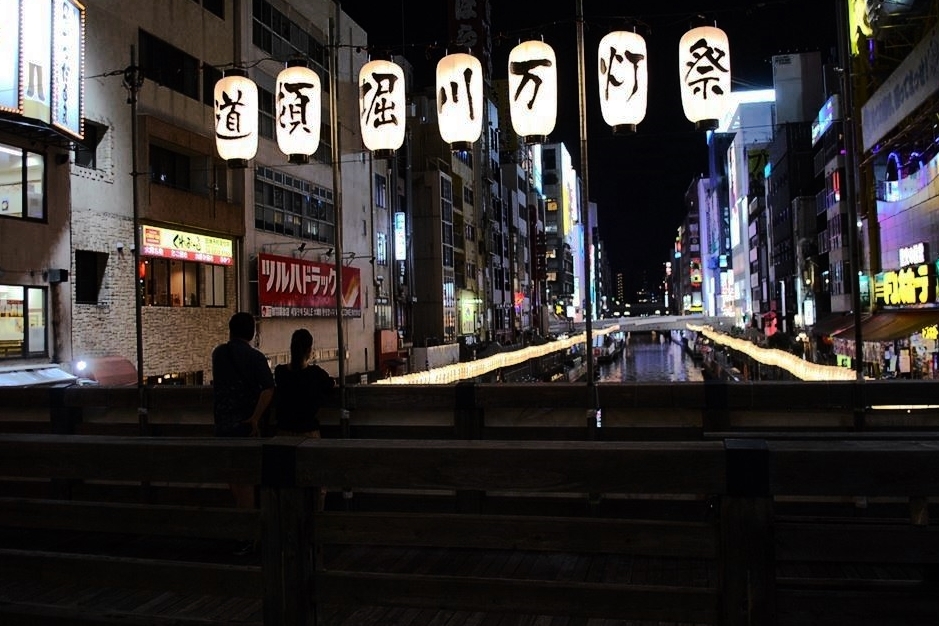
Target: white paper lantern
{"points": [[298, 111], [533, 90], [460, 100], [236, 118], [623, 77], [382, 105], [704, 72]]}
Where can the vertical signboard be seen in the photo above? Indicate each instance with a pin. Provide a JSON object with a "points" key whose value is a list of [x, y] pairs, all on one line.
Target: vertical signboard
{"points": [[68, 37], [10, 52]]}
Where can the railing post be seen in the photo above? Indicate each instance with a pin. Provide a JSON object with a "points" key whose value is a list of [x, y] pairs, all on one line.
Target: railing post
{"points": [[468, 423], [715, 415], [287, 548], [748, 556]]}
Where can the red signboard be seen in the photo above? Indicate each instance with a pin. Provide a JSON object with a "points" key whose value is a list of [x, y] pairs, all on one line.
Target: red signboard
{"points": [[289, 287]]}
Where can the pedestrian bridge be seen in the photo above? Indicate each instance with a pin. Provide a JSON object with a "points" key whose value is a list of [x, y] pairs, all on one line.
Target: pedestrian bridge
{"points": [[662, 322]]}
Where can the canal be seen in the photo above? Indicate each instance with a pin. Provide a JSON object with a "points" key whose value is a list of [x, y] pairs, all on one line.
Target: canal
{"points": [[650, 357]]}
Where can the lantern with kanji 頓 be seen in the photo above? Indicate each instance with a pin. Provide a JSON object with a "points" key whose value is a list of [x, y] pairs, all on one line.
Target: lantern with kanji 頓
{"points": [[623, 73], [533, 90], [460, 100], [381, 107], [704, 72], [236, 118]]}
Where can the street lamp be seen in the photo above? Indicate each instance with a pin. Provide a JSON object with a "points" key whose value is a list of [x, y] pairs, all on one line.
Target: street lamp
{"points": [[623, 91], [460, 100], [704, 69], [297, 108], [236, 118], [381, 102], [533, 71]]}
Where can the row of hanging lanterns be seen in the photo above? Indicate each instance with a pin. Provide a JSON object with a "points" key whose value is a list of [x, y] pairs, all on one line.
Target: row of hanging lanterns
{"points": [[704, 72]]}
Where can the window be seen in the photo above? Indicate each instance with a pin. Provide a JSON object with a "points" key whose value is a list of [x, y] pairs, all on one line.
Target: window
{"points": [[210, 76], [86, 152], [22, 321], [168, 282], [89, 275], [381, 191], [169, 66], [213, 277], [22, 175], [293, 206], [169, 168], [381, 249]]}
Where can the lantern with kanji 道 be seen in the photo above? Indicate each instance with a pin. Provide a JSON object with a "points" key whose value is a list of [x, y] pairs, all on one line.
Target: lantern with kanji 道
{"points": [[460, 100], [704, 72], [298, 111], [381, 107], [623, 78], [236, 118], [533, 90]]}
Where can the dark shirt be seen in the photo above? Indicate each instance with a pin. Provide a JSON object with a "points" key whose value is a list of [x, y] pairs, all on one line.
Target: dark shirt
{"points": [[299, 395], [239, 374]]}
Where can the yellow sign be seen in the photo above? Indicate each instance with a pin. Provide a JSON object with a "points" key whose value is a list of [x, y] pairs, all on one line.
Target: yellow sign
{"points": [[177, 244]]}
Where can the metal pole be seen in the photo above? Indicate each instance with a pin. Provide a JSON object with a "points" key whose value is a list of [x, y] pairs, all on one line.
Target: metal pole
{"points": [[337, 203], [850, 171], [585, 206], [133, 81]]}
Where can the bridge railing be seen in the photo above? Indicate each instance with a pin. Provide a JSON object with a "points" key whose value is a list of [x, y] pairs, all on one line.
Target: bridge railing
{"points": [[571, 518]]}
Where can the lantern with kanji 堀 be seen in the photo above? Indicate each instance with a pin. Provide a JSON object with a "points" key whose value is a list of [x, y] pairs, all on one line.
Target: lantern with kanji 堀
{"points": [[381, 107]]}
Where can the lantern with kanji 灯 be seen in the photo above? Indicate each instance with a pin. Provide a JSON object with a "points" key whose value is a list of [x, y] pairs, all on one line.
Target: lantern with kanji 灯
{"points": [[236, 118], [460, 100], [623, 73], [704, 71], [381, 107], [297, 111], [533, 90]]}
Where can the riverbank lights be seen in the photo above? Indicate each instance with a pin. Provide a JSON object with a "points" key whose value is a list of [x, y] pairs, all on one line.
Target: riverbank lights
{"points": [[236, 118], [704, 72], [623, 73], [533, 90], [381, 107], [460, 100], [298, 111]]}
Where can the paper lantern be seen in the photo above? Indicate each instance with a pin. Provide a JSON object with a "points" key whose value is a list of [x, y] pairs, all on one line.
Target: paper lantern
{"points": [[298, 110], [236, 118], [533, 90], [382, 105], [460, 100], [623, 77], [704, 71]]}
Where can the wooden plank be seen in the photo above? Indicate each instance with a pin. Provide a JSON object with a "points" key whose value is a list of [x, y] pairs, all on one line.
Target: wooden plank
{"points": [[32, 614], [598, 467], [184, 577], [880, 605], [537, 597], [853, 542], [608, 536], [140, 519]]}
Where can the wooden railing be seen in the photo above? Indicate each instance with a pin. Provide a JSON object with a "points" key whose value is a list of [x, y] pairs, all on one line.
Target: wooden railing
{"points": [[762, 503]]}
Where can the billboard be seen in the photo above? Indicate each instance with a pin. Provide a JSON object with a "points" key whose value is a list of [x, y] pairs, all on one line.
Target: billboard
{"points": [[289, 287]]}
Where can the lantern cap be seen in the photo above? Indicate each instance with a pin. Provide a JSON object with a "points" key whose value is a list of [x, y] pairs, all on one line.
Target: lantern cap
{"points": [[297, 62], [461, 146], [298, 159], [237, 164], [236, 71], [383, 153], [533, 139], [709, 124], [624, 129]]}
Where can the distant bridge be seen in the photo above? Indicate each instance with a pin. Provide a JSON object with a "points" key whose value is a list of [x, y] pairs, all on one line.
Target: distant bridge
{"points": [[647, 323]]}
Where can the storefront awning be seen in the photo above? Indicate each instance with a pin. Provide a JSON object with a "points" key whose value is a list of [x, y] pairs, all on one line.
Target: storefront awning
{"points": [[49, 375], [890, 325], [832, 324]]}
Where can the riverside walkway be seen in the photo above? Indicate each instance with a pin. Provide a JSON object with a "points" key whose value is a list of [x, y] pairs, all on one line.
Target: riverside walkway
{"points": [[770, 503]]}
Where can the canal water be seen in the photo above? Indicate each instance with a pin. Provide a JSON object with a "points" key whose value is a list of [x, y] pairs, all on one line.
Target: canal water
{"points": [[650, 357]]}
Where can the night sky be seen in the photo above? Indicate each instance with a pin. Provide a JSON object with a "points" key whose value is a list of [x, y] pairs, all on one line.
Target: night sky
{"points": [[638, 181]]}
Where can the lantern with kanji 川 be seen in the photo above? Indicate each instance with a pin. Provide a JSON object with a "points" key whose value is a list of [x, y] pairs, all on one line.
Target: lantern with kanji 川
{"points": [[298, 111], [623, 77], [460, 100], [236, 118], [533, 90], [704, 72], [381, 107]]}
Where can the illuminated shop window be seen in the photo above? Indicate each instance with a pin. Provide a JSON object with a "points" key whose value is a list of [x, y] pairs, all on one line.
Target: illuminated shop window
{"points": [[168, 282], [21, 184], [22, 321]]}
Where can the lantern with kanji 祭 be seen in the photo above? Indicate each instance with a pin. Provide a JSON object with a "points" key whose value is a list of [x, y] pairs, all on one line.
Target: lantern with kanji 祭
{"points": [[460, 100], [533, 90], [298, 111], [623, 77], [381, 107], [704, 72], [236, 118]]}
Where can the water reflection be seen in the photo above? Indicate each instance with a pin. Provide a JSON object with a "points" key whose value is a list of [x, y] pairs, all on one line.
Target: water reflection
{"points": [[650, 357]]}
